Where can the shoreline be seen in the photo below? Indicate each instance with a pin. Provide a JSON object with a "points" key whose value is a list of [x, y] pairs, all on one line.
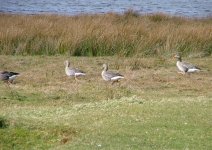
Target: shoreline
{"points": [[106, 13]]}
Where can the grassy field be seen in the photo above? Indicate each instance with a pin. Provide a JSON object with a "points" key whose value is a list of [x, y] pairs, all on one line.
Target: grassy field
{"points": [[110, 34], [152, 108]]}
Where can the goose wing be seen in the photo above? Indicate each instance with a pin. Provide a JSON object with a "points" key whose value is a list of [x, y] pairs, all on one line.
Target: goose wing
{"points": [[12, 73], [9, 73], [76, 70], [111, 74], [4, 75], [189, 65]]}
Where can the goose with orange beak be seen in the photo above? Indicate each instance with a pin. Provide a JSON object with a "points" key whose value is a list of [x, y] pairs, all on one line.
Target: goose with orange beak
{"points": [[185, 67], [8, 76], [70, 71], [109, 75]]}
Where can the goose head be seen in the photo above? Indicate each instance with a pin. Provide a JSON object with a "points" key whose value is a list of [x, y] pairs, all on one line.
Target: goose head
{"points": [[105, 67], [67, 63], [178, 57]]}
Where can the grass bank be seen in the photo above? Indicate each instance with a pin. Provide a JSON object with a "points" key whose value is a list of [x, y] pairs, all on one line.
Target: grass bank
{"points": [[129, 34], [152, 108]]}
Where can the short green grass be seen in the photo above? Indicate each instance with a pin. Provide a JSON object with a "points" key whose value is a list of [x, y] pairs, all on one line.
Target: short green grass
{"points": [[152, 108]]}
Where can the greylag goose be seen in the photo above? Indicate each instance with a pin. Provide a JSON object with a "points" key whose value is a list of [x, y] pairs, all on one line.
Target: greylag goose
{"points": [[8, 76], [110, 76], [73, 71], [185, 67]]}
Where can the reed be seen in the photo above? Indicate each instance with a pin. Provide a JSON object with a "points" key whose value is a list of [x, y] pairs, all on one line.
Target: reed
{"points": [[129, 34]]}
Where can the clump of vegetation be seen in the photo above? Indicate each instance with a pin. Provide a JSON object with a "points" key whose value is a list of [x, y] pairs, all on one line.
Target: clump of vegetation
{"points": [[4, 123], [131, 13], [159, 17], [128, 34]]}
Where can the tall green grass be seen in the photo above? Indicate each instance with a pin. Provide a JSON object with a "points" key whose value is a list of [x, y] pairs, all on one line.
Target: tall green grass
{"points": [[129, 34]]}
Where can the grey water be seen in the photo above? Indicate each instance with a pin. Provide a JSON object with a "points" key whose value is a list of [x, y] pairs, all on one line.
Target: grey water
{"points": [[187, 8]]}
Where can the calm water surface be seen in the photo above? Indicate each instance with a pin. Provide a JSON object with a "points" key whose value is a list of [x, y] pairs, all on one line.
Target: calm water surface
{"points": [[189, 8]]}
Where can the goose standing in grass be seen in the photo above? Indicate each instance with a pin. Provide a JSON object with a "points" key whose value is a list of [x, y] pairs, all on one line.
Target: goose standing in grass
{"points": [[8, 76], [110, 76], [185, 67], [73, 71]]}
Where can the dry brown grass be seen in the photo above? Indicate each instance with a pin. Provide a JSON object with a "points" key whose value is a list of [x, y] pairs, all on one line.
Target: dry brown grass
{"points": [[45, 76], [99, 35]]}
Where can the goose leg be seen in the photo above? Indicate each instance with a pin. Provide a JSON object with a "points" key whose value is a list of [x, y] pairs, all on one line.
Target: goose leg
{"points": [[75, 77], [8, 83], [119, 82], [114, 81]]}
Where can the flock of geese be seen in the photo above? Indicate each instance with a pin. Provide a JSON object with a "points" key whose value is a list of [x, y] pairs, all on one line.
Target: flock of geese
{"points": [[184, 67]]}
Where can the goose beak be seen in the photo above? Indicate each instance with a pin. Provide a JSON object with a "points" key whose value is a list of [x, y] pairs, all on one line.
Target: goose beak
{"points": [[175, 56]]}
